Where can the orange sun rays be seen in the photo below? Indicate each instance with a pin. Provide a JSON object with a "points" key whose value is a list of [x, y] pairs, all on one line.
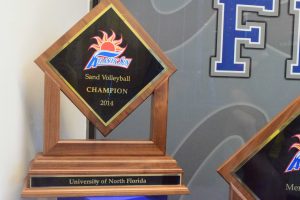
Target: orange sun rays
{"points": [[296, 145], [106, 39]]}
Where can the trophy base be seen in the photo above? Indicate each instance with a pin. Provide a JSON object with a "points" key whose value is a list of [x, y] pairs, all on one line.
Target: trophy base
{"points": [[76, 176]]}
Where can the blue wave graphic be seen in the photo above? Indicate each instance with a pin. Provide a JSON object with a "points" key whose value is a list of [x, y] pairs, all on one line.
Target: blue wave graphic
{"points": [[108, 53]]}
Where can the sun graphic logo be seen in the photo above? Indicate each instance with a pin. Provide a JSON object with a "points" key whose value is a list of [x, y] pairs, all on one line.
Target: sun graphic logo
{"points": [[108, 52], [295, 162]]}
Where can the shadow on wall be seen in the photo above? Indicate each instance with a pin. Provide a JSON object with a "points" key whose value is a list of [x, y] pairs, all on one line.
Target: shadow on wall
{"points": [[32, 119], [212, 142]]}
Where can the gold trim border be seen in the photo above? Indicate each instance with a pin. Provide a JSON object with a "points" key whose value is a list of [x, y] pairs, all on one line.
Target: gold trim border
{"points": [[96, 176], [268, 139], [110, 6]]}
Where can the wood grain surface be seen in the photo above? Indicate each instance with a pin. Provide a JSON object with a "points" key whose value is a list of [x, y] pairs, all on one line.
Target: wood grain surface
{"points": [[228, 168]]}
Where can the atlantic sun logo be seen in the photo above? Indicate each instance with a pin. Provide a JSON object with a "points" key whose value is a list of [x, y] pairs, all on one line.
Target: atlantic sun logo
{"points": [[108, 52], [295, 162]]}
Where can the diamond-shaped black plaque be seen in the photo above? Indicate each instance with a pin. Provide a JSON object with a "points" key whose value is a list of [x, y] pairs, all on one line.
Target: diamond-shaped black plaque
{"points": [[107, 65], [110, 63], [268, 165], [274, 171]]}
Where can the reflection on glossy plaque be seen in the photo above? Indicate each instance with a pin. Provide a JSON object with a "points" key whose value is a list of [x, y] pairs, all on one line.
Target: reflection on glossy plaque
{"points": [[274, 171], [268, 165], [107, 65]]}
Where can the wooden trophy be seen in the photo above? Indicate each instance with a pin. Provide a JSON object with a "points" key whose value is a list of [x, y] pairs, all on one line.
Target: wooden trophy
{"points": [[107, 65], [268, 165]]}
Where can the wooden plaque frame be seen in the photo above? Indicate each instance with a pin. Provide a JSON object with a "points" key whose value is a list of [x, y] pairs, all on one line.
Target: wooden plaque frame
{"points": [[54, 146], [98, 11], [98, 158], [237, 189]]}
